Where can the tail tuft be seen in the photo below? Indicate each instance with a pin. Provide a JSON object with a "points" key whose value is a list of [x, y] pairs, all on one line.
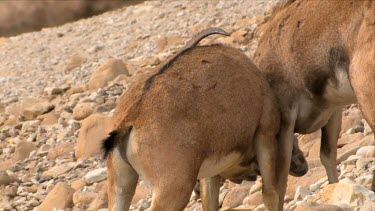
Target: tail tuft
{"points": [[109, 143]]}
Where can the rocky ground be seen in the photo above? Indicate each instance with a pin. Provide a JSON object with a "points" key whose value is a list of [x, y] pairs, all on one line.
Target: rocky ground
{"points": [[60, 85]]}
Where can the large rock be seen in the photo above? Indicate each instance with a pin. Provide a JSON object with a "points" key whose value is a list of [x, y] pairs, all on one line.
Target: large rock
{"points": [[255, 199], [23, 150], [5, 178], [101, 201], [351, 119], [93, 131], [61, 150], [49, 118], [325, 193], [349, 138], [312, 176], [346, 191], [60, 197], [24, 16], [80, 197], [32, 107], [74, 61], [301, 193], [367, 150], [317, 207], [106, 73], [236, 196], [58, 170], [141, 192], [96, 175], [306, 138], [83, 110]]}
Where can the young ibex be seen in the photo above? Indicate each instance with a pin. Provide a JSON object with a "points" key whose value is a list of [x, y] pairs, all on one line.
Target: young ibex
{"points": [[319, 56], [207, 112]]}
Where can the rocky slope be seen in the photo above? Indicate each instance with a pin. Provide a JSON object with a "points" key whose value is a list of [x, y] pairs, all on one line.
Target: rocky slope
{"points": [[59, 85], [24, 15]]}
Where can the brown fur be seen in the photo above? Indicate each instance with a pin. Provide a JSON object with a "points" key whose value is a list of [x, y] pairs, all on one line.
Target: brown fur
{"points": [[211, 103], [311, 49]]}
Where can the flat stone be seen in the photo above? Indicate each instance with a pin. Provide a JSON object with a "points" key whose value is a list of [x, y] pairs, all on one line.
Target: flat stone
{"points": [[96, 175]]}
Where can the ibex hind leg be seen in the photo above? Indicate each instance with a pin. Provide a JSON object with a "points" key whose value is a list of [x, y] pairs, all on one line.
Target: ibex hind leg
{"points": [[122, 182], [266, 156], [172, 194]]}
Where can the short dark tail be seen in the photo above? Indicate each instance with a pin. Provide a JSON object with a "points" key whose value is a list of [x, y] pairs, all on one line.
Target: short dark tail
{"points": [[111, 141]]}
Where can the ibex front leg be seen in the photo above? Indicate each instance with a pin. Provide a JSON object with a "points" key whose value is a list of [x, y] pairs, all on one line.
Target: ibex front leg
{"points": [[210, 188]]}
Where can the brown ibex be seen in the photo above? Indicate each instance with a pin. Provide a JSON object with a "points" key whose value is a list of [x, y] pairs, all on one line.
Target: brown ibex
{"points": [[207, 112], [319, 56]]}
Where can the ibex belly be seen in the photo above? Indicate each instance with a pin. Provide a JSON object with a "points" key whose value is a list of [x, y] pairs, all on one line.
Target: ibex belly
{"points": [[215, 165]]}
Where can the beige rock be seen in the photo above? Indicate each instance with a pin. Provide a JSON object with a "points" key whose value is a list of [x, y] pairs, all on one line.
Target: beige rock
{"points": [[255, 199], [6, 164], [6, 179], [367, 129], [314, 151], [23, 150], [75, 90], [235, 196], [196, 28], [52, 91], [31, 125], [247, 22], [307, 147], [363, 151], [314, 163], [140, 193], [43, 150], [10, 191], [83, 110], [78, 184], [226, 40], [14, 109], [32, 107], [85, 198], [101, 201], [256, 187], [346, 154], [96, 175], [11, 121], [106, 73], [312, 176], [301, 193], [48, 118], [317, 207], [93, 131], [60, 197], [307, 138], [239, 36], [353, 119], [365, 141], [61, 150], [168, 42], [326, 193], [348, 138], [348, 192], [74, 61], [58, 170], [240, 208], [5, 203]]}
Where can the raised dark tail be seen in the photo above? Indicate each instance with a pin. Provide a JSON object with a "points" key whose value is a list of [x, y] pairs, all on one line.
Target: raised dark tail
{"points": [[193, 42], [111, 141]]}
